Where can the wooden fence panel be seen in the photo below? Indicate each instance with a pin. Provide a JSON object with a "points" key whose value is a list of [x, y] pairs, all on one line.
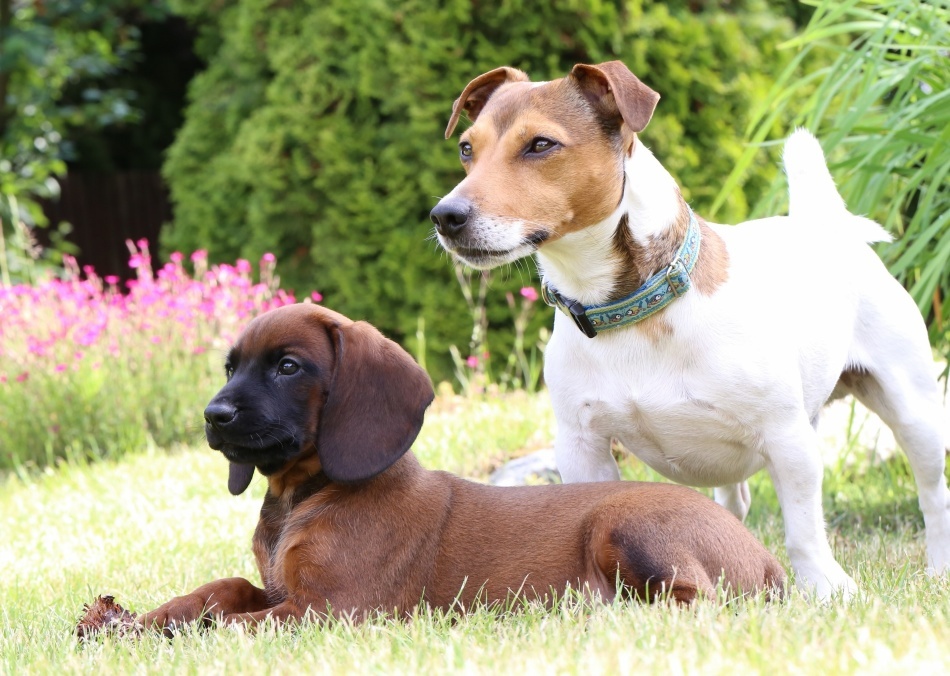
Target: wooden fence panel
{"points": [[107, 209]]}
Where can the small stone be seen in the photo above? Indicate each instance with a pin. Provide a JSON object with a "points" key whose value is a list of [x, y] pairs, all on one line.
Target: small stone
{"points": [[539, 467]]}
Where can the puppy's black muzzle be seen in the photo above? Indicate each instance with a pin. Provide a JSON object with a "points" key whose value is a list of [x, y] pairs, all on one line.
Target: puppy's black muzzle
{"points": [[241, 422], [219, 414]]}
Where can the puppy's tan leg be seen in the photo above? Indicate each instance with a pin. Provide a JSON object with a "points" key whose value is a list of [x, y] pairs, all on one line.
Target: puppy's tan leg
{"points": [[215, 599], [680, 586], [647, 567], [282, 612]]}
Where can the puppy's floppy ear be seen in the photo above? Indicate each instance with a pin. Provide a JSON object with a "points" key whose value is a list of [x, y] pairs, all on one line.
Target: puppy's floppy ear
{"points": [[614, 90], [477, 92], [374, 409]]}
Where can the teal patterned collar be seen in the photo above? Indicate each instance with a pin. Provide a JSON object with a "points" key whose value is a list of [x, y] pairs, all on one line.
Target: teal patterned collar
{"points": [[656, 293]]}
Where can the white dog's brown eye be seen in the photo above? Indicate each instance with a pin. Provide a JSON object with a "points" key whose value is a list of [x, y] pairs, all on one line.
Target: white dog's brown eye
{"points": [[465, 149], [539, 145], [287, 367]]}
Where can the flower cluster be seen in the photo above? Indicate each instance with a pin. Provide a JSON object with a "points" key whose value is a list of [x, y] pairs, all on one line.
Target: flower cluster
{"points": [[92, 367], [58, 323]]}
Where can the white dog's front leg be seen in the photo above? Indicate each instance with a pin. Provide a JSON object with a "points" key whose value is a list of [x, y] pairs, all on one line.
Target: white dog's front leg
{"points": [[735, 497], [795, 465], [583, 456]]}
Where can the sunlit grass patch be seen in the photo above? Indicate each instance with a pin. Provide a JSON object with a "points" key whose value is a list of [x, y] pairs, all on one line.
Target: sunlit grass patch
{"points": [[155, 524]]}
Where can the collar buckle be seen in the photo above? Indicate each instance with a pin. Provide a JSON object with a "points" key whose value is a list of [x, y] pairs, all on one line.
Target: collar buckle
{"points": [[677, 276], [577, 311]]}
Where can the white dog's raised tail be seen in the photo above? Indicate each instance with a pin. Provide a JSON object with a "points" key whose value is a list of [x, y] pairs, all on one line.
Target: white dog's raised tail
{"points": [[812, 194]]}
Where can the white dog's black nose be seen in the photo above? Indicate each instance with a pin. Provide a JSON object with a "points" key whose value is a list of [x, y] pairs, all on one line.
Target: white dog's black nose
{"points": [[451, 215]]}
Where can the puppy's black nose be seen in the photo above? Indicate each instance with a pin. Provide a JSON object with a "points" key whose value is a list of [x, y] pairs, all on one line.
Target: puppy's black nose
{"points": [[451, 215], [219, 414]]}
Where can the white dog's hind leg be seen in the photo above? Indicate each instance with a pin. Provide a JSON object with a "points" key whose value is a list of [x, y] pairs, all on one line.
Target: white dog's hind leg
{"points": [[735, 497], [794, 463], [583, 456], [908, 401]]}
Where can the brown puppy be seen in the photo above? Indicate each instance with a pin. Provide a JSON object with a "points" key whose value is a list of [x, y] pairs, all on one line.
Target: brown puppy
{"points": [[327, 408]]}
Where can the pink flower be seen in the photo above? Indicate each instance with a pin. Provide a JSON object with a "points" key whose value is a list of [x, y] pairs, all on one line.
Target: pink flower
{"points": [[530, 293], [136, 260], [177, 257], [243, 266], [316, 296], [268, 258], [88, 335], [60, 368], [199, 255], [112, 279], [35, 347], [472, 361], [143, 244], [23, 376]]}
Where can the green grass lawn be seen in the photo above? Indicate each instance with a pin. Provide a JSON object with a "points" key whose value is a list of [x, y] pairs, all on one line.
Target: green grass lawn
{"points": [[157, 524]]}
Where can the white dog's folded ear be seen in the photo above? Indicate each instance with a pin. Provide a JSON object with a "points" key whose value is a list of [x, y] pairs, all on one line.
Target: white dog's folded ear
{"points": [[477, 92], [375, 405], [615, 91]]}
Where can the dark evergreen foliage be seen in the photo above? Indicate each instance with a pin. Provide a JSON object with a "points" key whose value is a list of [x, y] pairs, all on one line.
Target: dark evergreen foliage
{"points": [[316, 131]]}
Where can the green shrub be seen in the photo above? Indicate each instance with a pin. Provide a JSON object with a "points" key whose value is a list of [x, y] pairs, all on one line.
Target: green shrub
{"points": [[316, 132]]}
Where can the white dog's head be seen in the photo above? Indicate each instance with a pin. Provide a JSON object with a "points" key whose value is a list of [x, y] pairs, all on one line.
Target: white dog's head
{"points": [[543, 159]]}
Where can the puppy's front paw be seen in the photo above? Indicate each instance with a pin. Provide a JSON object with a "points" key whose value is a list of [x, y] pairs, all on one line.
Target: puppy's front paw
{"points": [[171, 616]]}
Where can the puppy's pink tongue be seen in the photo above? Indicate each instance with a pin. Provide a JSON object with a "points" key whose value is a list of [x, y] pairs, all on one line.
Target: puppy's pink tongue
{"points": [[239, 478]]}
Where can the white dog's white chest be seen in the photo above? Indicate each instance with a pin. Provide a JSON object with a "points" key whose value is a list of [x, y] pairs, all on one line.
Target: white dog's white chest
{"points": [[691, 441], [685, 413]]}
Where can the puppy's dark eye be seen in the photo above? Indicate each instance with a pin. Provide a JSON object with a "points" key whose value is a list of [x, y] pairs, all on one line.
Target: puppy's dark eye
{"points": [[228, 371], [465, 149], [287, 367], [540, 145]]}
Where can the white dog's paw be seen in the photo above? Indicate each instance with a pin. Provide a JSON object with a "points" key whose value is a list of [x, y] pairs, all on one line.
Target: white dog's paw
{"points": [[828, 583], [843, 590], [938, 559], [938, 542]]}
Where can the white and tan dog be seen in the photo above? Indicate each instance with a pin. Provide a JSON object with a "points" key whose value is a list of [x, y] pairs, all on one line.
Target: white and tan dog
{"points": [[760, 324]]}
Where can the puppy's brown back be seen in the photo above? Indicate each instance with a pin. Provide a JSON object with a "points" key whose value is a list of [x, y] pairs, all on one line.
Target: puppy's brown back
{"points": [[669, 535], [540, 538]]}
